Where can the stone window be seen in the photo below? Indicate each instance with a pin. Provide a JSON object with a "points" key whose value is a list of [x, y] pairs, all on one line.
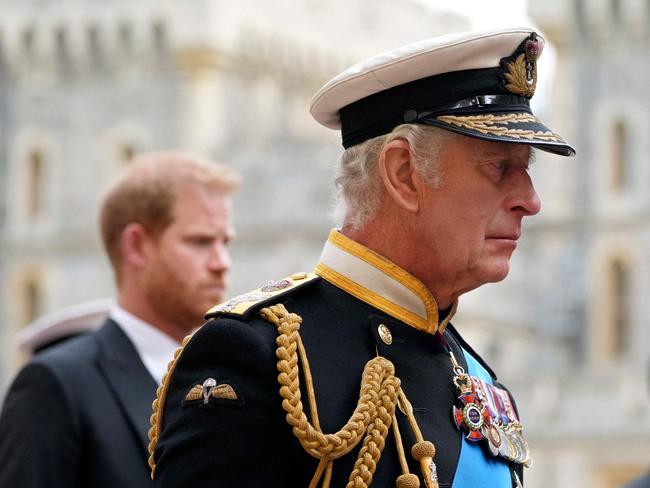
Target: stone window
{"points": [[617, 317], [615, 7], [581, 21], [35, 184], [619, 176], [28, 44], [63, 55], [95, 50], [32, 300], [160, 42], [2, 53], [125, 35]]}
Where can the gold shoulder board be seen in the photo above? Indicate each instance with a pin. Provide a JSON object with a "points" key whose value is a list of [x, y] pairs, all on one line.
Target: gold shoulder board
{"points": [[241, 304]]}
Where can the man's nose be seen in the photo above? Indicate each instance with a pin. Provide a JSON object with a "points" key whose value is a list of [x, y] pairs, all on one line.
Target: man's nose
{"points": [[523, 197], [219, 260]]}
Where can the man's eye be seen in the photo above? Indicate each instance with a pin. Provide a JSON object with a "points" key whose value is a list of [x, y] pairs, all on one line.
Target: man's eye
{"points": [[201, 241], [501, 166]]}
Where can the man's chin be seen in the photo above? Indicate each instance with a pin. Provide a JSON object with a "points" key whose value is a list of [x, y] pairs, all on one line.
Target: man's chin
{"points": [[500, 274], [211, 302], [496, 271], [214, 294]]}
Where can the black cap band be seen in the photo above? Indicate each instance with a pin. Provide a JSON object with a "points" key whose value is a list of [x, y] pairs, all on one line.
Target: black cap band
{"points": [[380, 113]]}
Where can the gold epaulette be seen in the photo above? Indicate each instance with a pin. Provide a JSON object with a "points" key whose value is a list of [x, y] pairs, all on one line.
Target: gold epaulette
{"points": [[241, 304]]}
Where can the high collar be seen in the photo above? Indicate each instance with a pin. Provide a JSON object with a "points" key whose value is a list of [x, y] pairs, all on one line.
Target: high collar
{"points": [[379, 282]]}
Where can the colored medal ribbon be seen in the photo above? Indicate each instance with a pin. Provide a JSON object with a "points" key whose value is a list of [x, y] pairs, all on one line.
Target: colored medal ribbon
{"points": [[485, 412]]}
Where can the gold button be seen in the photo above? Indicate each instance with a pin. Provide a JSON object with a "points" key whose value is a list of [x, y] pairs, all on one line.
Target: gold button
{"points": [[298, 276], [384, 333]]}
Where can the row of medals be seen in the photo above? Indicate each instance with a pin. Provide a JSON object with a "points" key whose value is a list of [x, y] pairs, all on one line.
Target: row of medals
{"points": [[506, 441]]}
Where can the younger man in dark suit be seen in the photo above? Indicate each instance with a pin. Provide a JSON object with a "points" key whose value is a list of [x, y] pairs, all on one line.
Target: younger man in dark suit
{"points": [[78, 414]]}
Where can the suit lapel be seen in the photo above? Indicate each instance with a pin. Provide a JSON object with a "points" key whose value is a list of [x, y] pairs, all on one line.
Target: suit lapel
{"points": [[127, 377]]}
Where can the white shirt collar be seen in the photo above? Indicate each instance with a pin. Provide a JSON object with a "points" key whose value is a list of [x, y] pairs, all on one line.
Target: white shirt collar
{"points": [[154, 347]]}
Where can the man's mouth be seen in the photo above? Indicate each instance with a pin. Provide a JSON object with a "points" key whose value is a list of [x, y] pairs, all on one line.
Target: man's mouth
{"points": [[509, 240], [216, 289]]}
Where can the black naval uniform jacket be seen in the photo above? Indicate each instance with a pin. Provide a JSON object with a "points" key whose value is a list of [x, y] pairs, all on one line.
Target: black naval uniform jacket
{"points": [[77, 416], [248, 443]]}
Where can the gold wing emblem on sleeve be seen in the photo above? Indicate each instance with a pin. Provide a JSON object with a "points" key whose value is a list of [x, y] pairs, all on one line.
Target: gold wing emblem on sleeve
{"points": [[224, 391], [210, 388], [195, 393]]}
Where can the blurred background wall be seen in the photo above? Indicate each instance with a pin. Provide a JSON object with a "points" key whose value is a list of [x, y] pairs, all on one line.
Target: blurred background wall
{"points": [[84, 85]]}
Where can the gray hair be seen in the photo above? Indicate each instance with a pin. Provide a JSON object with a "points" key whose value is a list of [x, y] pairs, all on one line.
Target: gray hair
{"points": [[357, 181]]}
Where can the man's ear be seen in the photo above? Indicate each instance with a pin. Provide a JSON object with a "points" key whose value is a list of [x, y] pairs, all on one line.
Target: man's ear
{"points": [[399, 176], [134, 241]]}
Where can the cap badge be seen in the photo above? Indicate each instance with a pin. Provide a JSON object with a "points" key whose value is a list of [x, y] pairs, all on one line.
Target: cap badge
{"points": [[521, 73]]}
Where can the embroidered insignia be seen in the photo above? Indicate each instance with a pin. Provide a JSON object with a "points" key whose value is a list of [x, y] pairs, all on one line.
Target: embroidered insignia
{"points": [[239, 305], [499, 125], [521, 76], [230, 305], [521, 73], [211, 389], [274, 285]]}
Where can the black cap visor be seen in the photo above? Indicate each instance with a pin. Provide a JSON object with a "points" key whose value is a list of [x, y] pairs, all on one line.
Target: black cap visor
{"points": [[512, 127]]}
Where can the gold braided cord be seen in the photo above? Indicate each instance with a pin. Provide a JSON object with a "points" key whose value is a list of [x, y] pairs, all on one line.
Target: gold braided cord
{"points": [[422, 451], [371, 419], [313, 441], [373, 445], [309, 384], [324, 464], [400, 447], [158, 405], [407, 408]]}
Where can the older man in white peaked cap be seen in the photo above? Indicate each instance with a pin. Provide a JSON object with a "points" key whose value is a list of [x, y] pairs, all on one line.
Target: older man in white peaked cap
{"points": [[375, 384]]}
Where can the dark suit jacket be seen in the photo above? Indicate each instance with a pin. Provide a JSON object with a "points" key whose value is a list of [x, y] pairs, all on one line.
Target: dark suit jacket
{"points": [[77, 416], [642, 482]]}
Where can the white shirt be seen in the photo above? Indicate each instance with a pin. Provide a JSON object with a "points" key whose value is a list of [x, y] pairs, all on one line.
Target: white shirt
{"points": [[154, 347]]}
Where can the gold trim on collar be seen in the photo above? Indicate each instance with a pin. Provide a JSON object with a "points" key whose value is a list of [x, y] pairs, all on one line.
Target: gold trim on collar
{"points": [[396, 278]]}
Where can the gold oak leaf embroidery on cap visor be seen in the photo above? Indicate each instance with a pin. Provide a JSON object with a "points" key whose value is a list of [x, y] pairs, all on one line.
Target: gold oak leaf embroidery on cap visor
{"points": [[498, 125]]}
